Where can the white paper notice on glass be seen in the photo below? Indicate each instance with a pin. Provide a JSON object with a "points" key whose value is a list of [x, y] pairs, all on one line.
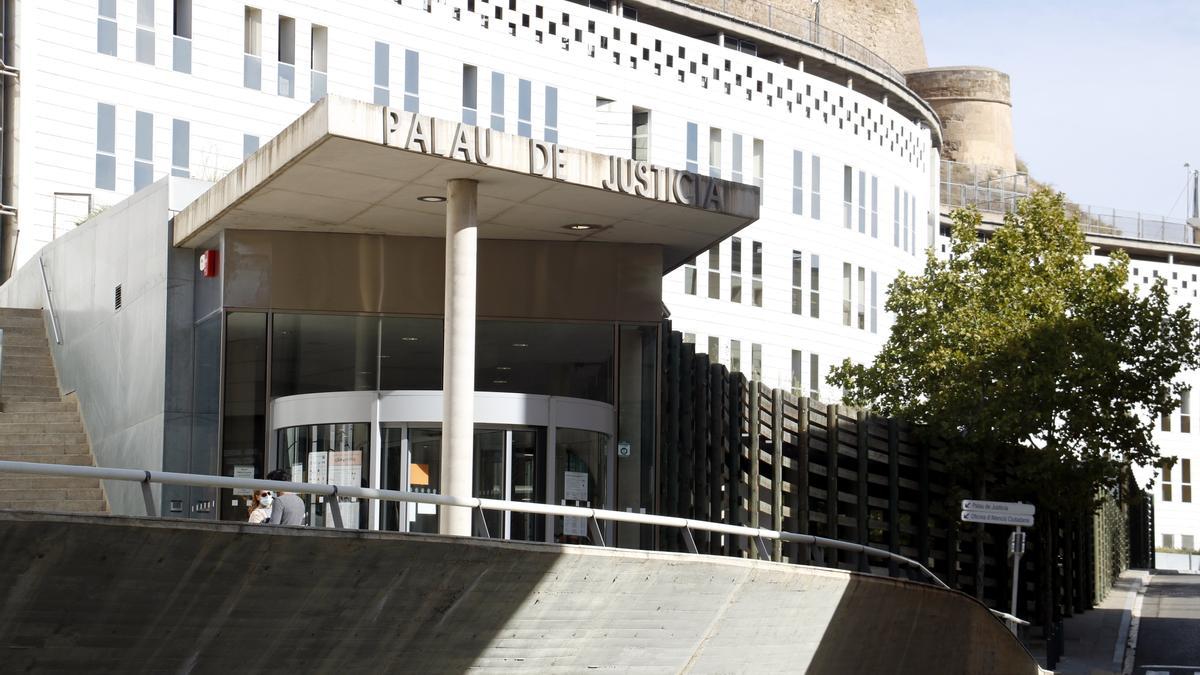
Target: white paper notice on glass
{"points": [[297, 473], [318, 464], [574, 526], [575, 485], [345, 467], [243, 472]]}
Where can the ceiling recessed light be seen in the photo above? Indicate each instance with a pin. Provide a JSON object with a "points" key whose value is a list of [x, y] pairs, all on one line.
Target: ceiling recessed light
{"points": [[520, 344], [435, 199], [409, 338], [579, 227], [504, 368], [499, 381]]}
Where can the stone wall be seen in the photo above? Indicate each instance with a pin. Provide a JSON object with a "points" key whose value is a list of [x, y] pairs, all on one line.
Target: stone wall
{"points": [[975, 106], [890, 28]]}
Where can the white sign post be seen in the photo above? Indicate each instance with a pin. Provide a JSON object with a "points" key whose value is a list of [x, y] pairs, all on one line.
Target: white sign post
{"points": [[1004, 513]]}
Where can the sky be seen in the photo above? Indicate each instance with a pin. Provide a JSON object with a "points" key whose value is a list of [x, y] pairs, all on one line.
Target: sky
{"points": [[1106, 94]]}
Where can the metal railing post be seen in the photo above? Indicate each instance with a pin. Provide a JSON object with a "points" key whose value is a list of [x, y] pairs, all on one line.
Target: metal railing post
{"points": [[335, 508], [688, 540], [481, 521], [597, 533], [49, 301], [148, 497]]}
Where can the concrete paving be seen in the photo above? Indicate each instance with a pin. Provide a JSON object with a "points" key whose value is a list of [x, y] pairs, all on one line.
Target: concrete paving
{"points": [[1094, 641], [1169, 634]]}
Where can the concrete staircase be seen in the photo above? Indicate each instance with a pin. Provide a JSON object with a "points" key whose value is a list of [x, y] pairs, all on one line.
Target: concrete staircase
{"points": [[39, 425]]}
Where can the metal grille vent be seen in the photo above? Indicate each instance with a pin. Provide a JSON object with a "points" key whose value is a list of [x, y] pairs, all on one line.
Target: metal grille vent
{"points": [[117, 298]]}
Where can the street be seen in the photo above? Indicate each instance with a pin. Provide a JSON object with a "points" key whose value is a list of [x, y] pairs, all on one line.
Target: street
{"points": [[1169, 636]]}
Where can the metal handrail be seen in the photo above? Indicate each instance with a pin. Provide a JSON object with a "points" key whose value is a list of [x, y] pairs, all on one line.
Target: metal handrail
{"points": [[759, 536], [49, 301]]}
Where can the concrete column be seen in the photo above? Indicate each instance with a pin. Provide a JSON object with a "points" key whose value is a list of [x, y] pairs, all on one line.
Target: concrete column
{"points": [[458, 369]]}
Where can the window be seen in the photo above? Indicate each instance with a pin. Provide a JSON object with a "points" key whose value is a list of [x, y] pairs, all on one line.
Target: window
{"points": [[689, 277], [757, 152], [145, 32], [714, 272], [1166, 421], [470, 94], [814, 287], [181, 39], [1185, 411], [896, 217], [181, 148], [693, 133], [1168, 540], [524, 108], [498, 101], [1166, 484], [106, 27], [736, 167], [797, 283], [641, 135], [383, 74], [1185, 480], [319, 62], [862, 202], [286, 49], [252, 47], [735, 270], [875, 206], [907, 225], [756, 257], [551, 135], [862, 299], [814, 376], [874, 306], [689, 338], [847, 197], [913, 224], [143, 150], [249, 145], [816, 188], [735, 355], [756, 362], [106, 150], [847, 293], [740, 45], [412, 81], [714, 152], [714, 349], [798, 182], [1187, 541], [797, 372]]}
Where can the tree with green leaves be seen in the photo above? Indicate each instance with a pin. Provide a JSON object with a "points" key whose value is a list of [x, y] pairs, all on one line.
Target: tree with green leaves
{"points": [[1024, 358]]}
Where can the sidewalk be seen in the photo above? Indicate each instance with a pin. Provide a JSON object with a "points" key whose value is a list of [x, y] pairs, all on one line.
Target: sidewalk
{"points": [[1095, 640]]}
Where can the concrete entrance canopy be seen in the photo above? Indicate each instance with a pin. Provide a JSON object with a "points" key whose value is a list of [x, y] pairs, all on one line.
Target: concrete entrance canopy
{"points": [[354, 167]]}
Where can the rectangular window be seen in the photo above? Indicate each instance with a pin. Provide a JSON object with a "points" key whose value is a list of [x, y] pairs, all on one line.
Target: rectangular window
{"points": [[470, 94], [106, 27], [816, 188], [862, 202], [524, 108], [862, 299], [181, 131], [383, 74], [1187, 541], [286, 52], [181, 39], [1166, 492], [814, 287], [714, 152], [1167, 474], [1185, 481], [1185, 412], [896, 217], [756, 362], [252, 48], [798, 182], [689, 277], [735, 270], [106, 146], [1168, 539], [689, 338], [874, 306], [319, 63], [497, 101], [714, 349], [797, 283], [913, 224], [757, 152], [249, 145], [145, 32], [847, 197], [847, 293], [814, 376], [735, 355], [906, 223], [756, 284], [143, 150], [1166, 421], [693, 142], [714, 272], [641, 135], [412, 81], [551, 135], [735, 168], [875, 206], [797, 372]]}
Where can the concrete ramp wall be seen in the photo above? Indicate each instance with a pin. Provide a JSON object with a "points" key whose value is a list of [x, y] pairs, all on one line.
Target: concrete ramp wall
{"points": [[117, 594]]}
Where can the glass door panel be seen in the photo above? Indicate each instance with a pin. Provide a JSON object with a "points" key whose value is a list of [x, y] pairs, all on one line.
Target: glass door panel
{"points": [[424, 475], [528, 484], [489, 477], [581, 462], [392, 513]]}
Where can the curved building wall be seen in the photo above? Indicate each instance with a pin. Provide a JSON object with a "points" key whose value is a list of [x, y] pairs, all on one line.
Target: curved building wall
{"points": [[975, 107]]}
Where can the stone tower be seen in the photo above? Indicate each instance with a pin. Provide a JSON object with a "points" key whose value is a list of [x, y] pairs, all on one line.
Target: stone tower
{"points": [[975, 106]]}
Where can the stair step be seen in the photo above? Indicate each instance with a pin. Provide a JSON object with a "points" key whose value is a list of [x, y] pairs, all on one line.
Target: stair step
{"points": [[38, 417], [92, 493], [6, 428], [67, 506], [70, 460], [25, 338], [14, 481], [43, 439], [24, 405], [44, 449], [39, 391]]}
